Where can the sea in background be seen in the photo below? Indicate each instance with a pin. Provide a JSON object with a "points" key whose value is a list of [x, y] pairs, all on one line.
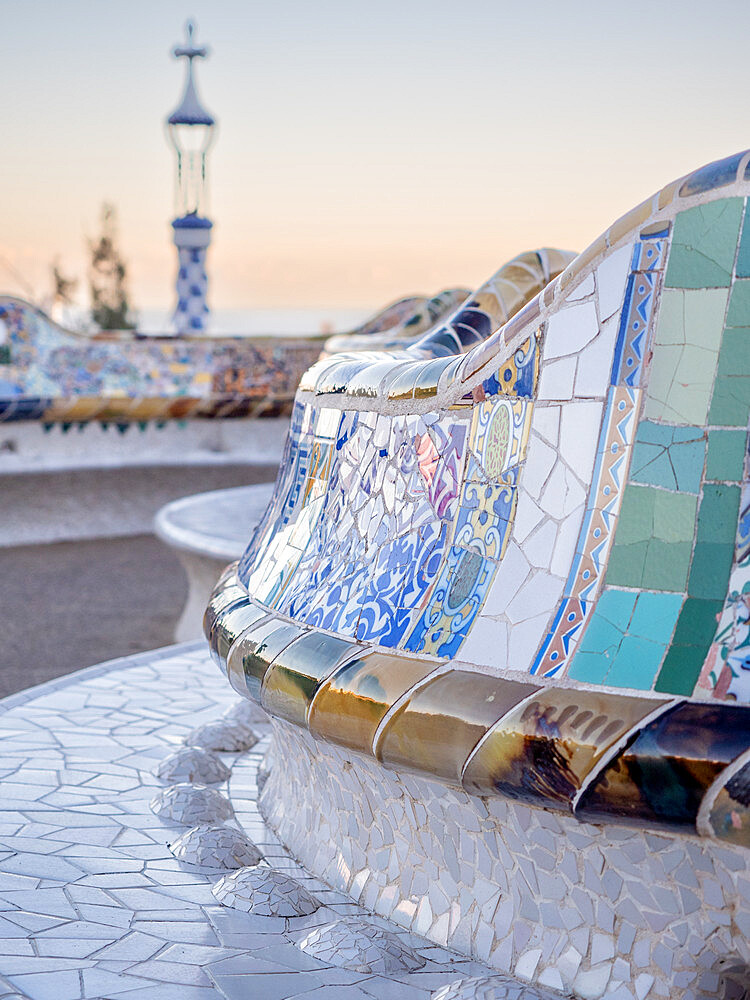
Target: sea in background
{"points": [[269, 322]]}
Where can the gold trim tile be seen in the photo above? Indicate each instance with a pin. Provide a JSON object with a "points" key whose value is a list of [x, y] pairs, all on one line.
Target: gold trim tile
{"points": [[252, 654], [290, 684], [350, 705], [438, 727]]}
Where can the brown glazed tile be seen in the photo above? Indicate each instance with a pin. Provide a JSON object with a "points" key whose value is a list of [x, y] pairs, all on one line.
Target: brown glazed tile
{"points": [[729, 818], [251, 655], [227, 627], [662, 775], [437, 728], [296, 673], [543, 750], [350, 705]]}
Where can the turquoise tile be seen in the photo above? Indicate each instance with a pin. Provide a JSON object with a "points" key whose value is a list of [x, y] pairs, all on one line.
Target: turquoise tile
{"points": [[616, 606], [590, 668], [601, 640], [655, 616], [704, 244], [669, 457], [636, 664]]}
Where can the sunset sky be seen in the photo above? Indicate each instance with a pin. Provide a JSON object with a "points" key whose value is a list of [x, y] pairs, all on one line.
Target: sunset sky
{"points": [[365, 150]]}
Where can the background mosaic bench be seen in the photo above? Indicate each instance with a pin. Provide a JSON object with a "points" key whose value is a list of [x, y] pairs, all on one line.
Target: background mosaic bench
{"points": [[517, 577], [51, 374]]}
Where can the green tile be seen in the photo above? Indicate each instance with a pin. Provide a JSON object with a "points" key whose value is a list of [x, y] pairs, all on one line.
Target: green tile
{"points": [[684, 352], [704, 242], [680, 671], [717, 517], [730, 403], [742, 269], [636, 520], [709, 571], [726, 455], [674, 516], [734, 357], [697, 623], [666, 565], [738, 313], [653, 540]]}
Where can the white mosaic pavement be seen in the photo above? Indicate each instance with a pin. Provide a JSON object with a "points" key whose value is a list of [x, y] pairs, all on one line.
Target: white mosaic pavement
{"points": [[92, 902]]}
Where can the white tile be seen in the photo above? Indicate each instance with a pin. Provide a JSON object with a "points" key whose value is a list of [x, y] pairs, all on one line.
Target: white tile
{"points": [[595, 361], [511, 574], [579, 434], [583, 290], [569, 330], [539, 461], [611, 276], [557, 377]]}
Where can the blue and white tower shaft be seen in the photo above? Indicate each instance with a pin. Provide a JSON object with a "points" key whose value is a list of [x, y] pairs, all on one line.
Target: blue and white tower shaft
{"points": [[191, 132]]}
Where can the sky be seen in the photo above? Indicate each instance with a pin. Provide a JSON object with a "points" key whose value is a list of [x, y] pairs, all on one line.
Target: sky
{"points": [[365, 151]]}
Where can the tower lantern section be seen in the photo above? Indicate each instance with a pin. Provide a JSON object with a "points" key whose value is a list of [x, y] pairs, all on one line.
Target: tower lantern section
{"points": [[191, 131]]}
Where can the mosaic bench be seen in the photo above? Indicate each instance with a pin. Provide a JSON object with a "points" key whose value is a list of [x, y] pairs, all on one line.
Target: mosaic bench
{"points": [[59, 376], [498, 612]]}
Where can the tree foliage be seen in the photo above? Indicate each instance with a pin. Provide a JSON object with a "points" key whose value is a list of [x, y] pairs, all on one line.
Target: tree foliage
{"points": [[110, 308]]}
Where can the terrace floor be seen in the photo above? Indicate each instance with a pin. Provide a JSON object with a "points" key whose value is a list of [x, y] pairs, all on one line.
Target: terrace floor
{"points": [[92, 902]]}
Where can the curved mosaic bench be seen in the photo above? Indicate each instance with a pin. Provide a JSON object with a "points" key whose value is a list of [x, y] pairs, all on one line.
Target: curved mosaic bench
{"points": [[398, 324], [517, 577], [51, 374]]}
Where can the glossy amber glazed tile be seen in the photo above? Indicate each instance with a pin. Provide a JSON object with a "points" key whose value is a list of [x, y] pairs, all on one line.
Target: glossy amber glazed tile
{"points": [[252, 653], [662, 776], [350, 705], [296, 673], [543, 750], [437, 728]]}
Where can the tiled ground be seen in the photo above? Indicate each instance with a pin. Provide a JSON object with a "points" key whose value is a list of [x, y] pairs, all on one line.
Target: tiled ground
{"points": [[92, 903]]}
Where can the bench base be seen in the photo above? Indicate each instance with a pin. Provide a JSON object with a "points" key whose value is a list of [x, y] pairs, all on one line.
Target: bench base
{"points": [[600, 911]]}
